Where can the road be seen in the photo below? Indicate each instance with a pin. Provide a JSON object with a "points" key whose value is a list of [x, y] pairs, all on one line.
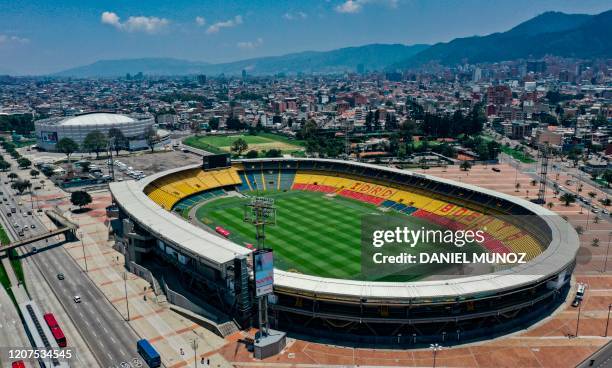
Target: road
{"points": [[602, 358], [109, 337]]}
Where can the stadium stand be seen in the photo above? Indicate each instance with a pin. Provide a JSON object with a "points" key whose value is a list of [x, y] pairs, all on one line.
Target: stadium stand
{"points": [[168, 190], [500, 236]]}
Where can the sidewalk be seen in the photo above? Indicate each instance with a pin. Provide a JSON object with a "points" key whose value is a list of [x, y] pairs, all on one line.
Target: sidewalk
{"points": [[11, 323], [171, 333]]}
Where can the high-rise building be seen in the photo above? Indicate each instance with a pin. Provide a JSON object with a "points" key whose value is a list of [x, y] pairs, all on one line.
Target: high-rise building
{"points": [[201, 78], [499, 95]]}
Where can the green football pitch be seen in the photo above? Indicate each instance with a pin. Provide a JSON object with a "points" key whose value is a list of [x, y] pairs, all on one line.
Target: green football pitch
{"points": [[314, 234], [260, 142]]}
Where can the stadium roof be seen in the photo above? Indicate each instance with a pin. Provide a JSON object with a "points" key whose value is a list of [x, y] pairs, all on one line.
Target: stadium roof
{"points": [[101, 118], [197, 242], [559, 255], [90, 119]]}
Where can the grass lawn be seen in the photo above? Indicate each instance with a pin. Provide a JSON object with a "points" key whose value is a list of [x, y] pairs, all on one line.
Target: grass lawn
{"points": [[314, 234], [260, 142], [15, 262], [518, 155]]}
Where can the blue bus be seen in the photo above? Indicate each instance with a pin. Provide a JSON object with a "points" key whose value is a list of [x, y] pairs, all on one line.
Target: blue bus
{"points": [[148, 353]]}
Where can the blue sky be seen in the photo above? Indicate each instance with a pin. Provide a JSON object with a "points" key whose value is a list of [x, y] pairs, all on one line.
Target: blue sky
{"points": [[42, 36]]}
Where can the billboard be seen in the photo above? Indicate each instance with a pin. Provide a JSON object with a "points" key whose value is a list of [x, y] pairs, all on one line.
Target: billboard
{"points": [[263, 264], [48, 137], [215, 161]]}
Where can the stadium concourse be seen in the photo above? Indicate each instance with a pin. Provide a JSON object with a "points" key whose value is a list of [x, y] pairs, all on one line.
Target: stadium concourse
{"points": [[450, 310]]}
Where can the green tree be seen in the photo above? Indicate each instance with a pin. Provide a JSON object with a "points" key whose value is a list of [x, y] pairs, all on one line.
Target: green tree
{"points": [[34, 173], [151, 137], [568, 198], [592, 195], [67, 146], [13, 176], [80, 198], [213, 123], [252, 154], [607, 177], [24, 163], [273, 153], [4, 165], [595, 242], [21, 185], [239, 146], [117, 139], [465, 165], [95, 141]]}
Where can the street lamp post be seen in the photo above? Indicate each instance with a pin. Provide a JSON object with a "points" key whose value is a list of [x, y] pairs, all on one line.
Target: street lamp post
{"points": [[84, 255], [607, 251], [435, 347], [608, 320], [578, 320], [127, 304], [194, 345]]}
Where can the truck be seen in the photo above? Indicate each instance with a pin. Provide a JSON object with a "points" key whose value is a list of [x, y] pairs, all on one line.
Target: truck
{"points": [[148, 353]]}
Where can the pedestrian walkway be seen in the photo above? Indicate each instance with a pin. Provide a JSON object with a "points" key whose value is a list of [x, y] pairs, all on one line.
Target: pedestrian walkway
{"points": [[13, 334], [170, 333]]}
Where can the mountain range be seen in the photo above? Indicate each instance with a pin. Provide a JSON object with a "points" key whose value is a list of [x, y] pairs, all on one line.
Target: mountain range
{"points": [[550, 33], [372, 57]]}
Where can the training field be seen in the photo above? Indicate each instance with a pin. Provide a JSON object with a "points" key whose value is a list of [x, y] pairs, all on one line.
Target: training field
{"points": [[314, 234], [260, 142]]}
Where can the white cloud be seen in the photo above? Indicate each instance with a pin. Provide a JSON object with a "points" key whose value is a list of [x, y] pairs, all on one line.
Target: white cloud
{"points": [[200, 21], [355, 6], [6, 39], [250, 45], [349, 6], [215, 28], [293, 16], [135, 23]]}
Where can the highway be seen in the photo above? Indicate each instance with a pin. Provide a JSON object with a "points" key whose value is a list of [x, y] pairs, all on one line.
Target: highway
{"points": [[110, 339]]}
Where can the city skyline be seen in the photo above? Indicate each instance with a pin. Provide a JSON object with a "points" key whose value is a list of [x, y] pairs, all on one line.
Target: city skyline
{"points": [[38, 38]]}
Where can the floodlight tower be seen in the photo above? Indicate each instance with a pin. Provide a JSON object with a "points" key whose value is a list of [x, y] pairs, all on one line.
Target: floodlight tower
{"points": [[111, 162], [544, 149], [260, 211]]}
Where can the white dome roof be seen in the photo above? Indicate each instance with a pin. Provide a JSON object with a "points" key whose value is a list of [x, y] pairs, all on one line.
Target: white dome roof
{"points": [[99, 118]]}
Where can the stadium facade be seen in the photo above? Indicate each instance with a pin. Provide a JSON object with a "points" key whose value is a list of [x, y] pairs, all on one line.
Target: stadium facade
{"points": [[450, 310], [52, 130]]}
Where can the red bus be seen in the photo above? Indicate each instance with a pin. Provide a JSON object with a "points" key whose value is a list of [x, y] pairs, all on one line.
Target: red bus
{"points": [[222, 231], [57, 332]]}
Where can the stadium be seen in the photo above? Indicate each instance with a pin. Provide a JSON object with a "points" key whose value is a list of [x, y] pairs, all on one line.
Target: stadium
{"points": [[319, 289], [52, 130]]}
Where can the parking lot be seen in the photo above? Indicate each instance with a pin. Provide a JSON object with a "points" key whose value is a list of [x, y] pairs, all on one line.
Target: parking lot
{"points": [[151, 163]]}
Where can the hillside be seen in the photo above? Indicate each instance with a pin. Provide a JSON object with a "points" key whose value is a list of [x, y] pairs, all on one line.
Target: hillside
{"points": [[373, 57], [568, 35]]}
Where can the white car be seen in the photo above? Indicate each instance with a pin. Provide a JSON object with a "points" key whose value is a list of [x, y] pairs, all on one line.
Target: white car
{"points": [[77, 299]]}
